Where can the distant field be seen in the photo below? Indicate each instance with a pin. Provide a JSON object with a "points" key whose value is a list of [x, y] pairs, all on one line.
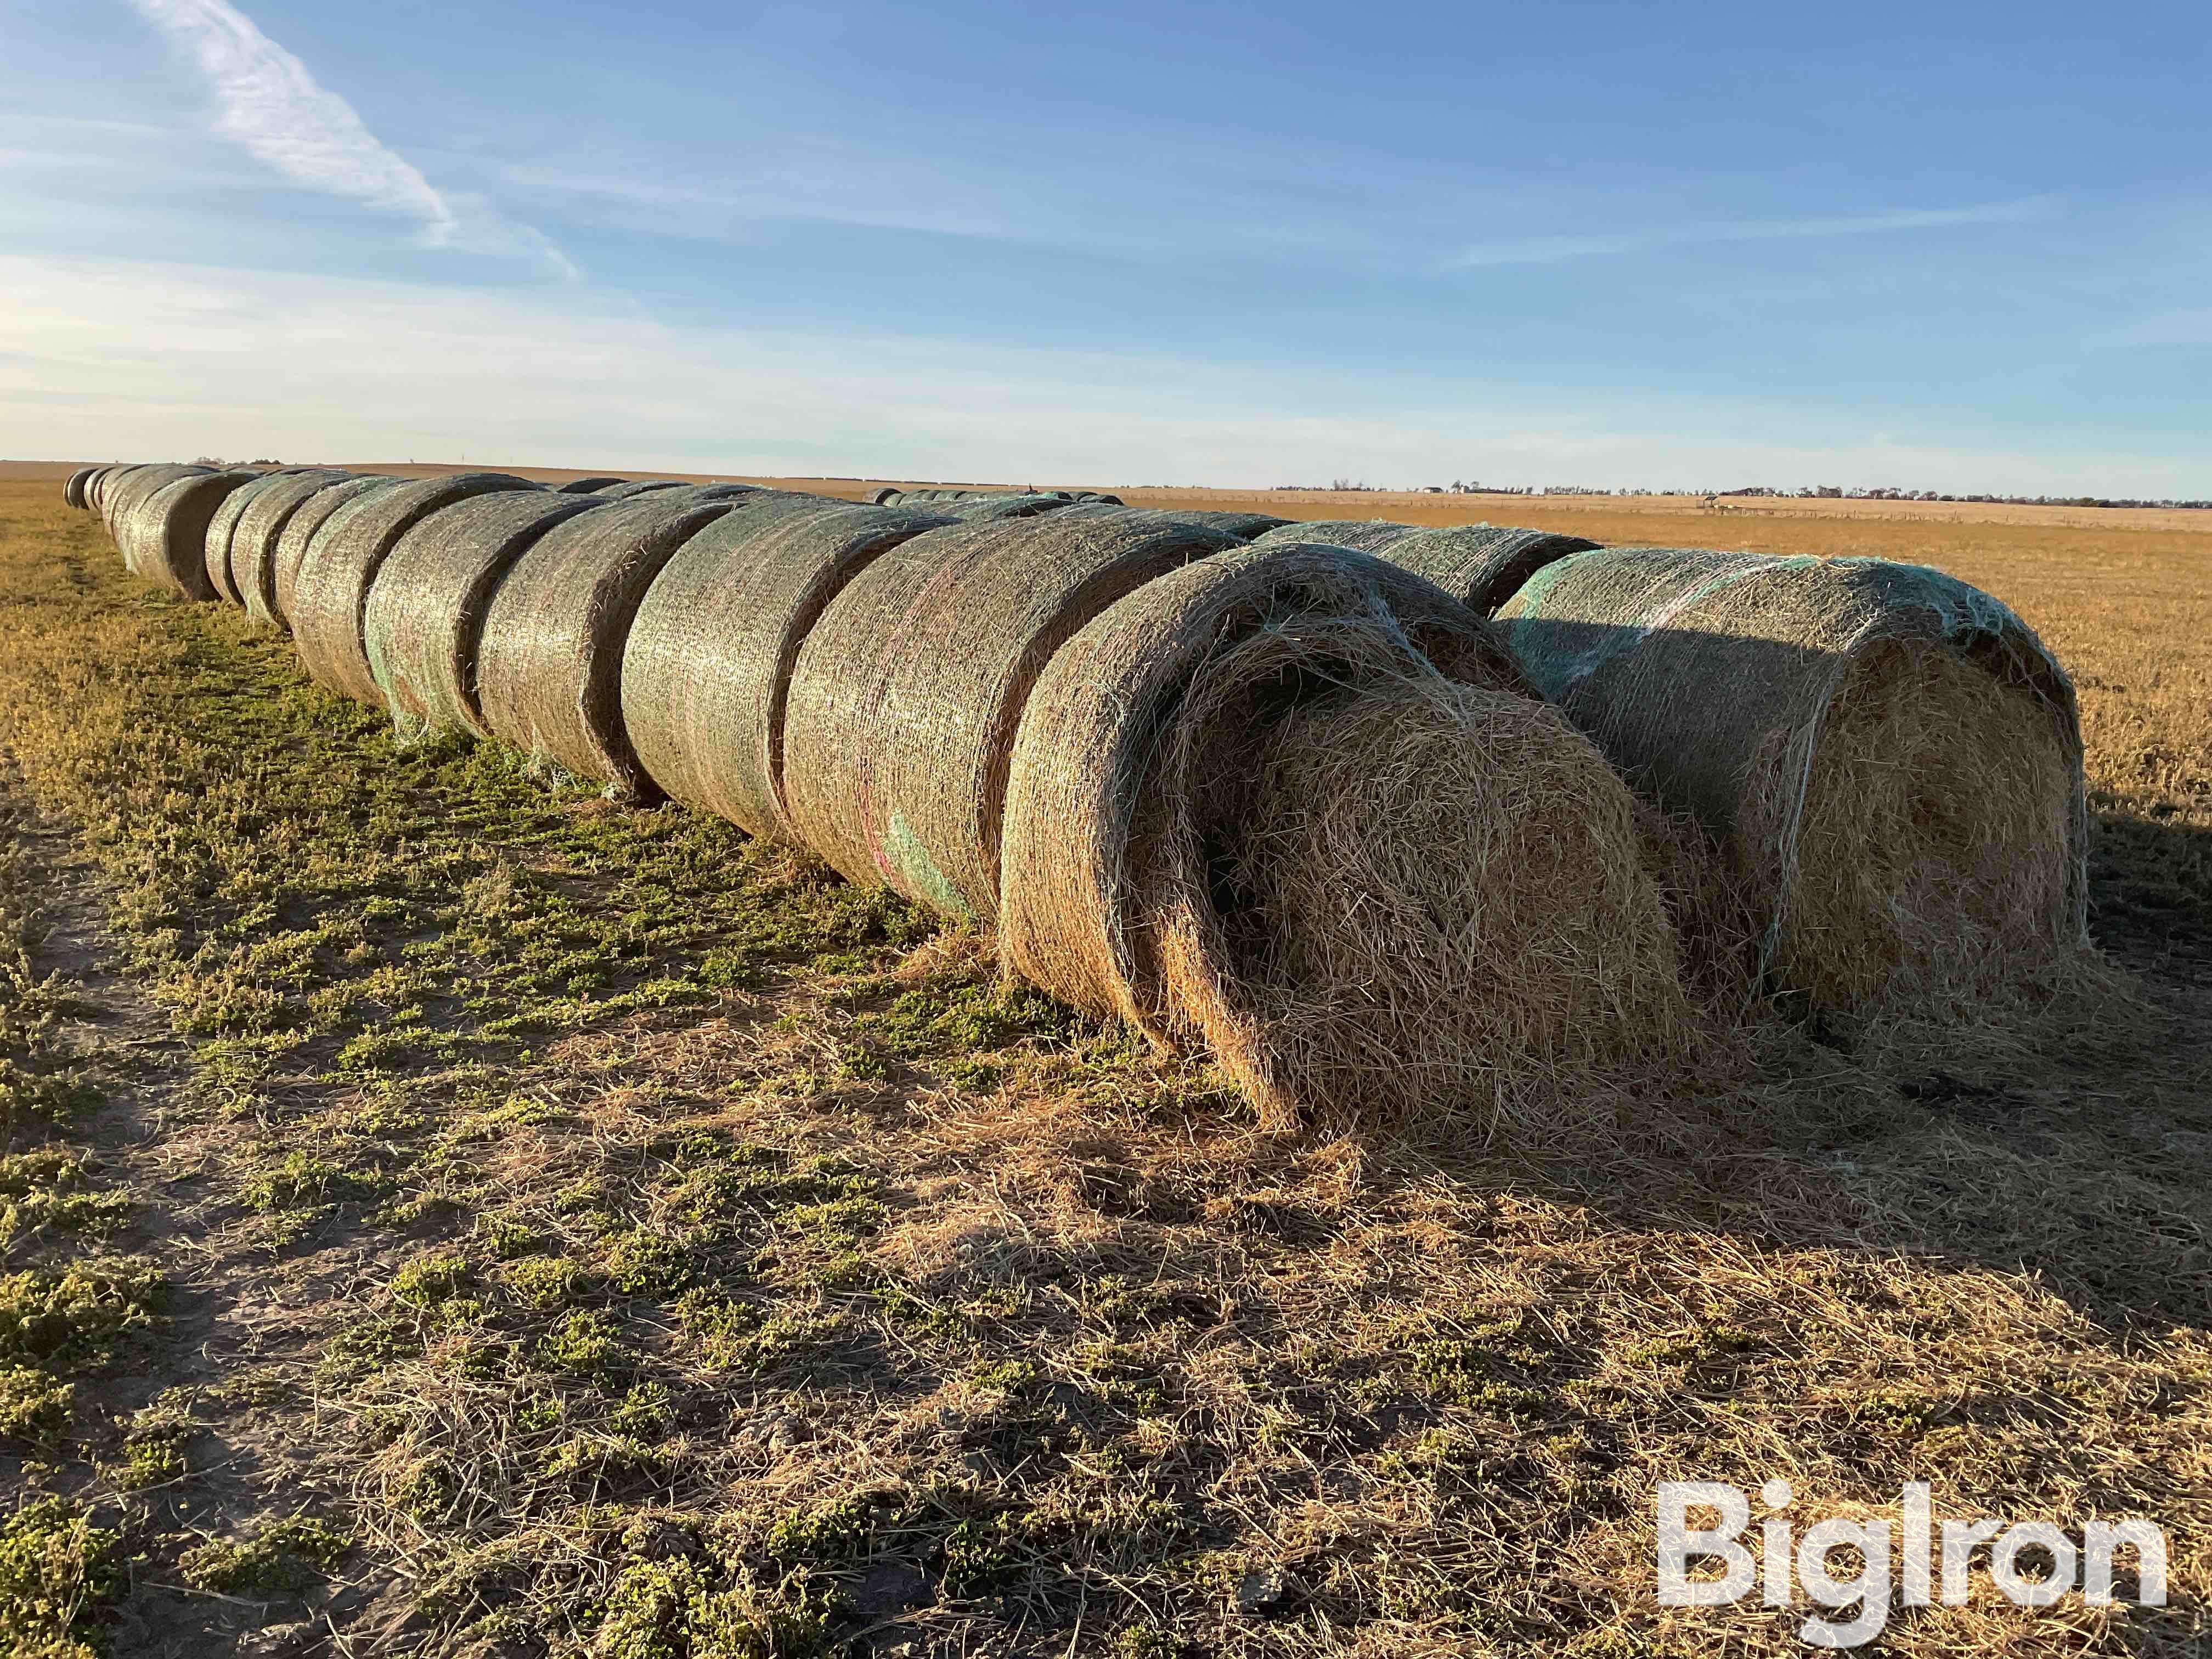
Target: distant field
{"points": [[444, 1207]]}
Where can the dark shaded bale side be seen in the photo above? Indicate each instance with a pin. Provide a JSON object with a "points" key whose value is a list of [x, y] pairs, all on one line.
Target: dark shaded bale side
{"points": [[424, 624], [905, 697], [588, 486], [95, 489], [1367, 535], [1099, 498], [1480, 565], [330, 596], [164, 535], [706, 673], [549, 669], [73, 491], [221, 552], [266, 568], [622, 492], [1888, 760], [121, 500]]}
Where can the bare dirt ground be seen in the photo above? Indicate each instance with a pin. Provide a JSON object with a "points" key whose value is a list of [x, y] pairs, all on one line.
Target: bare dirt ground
{"points": [[446, 1214]]}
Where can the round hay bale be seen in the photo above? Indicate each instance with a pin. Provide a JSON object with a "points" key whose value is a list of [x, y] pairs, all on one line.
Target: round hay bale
{"points": [[163, 534], [1481, 565], [549, 668], [984, 509], [95, 487], [905, 697], [267, 569], [133, 486], [885, 496], [1366, 535], [424, 626], [1887, 760], [622, 492], [73, 491], [707, 672], [1099, 498], [330, 594], [588, 486], [222, 529], [1293, 806], [1245, 526]]}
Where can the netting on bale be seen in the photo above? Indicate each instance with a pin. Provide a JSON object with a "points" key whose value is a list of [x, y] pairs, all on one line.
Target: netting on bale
{"points": [[1480, 565], [223, 529], [588, 486], [1295, 807], [163, 534], [983, 509], [328, 601], [267, 567], [1366, 535], [707, 671], [1888, 762], [905, 697], [423, 625], [549, 668], [1245, 526]]}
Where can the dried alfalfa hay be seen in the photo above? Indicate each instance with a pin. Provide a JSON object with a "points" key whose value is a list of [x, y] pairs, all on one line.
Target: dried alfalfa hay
{"points": [[1365, 535], [424, 623], [290, 485], [329, 600], [1293, 807], [1481, 565], [906, 695], [1889, 762], [268, 549], [549, 667], [589, 486], [163, 534], [706, 673]]}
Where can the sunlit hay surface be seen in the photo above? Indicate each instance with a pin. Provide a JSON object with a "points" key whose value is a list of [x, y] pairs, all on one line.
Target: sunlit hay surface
{"points": [[1426, 905], [1931, 878]]}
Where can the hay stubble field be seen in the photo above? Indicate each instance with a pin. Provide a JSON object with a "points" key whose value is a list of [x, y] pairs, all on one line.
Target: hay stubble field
{"points": [[447, 1213]]}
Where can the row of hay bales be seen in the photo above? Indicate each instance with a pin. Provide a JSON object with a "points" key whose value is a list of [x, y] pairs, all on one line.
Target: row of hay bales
{"points": [[1473, 823]]}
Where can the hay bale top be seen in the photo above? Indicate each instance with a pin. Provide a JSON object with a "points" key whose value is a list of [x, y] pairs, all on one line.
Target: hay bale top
{"points": [[622, 492], [1245, 526], [1366, 535], [906, 695], [163, 534], [1481, 565], [982, 509], [330, 592], [549, 670], [222, 536], [422, 631], [707, 671], [588, 486], [269, 543]]}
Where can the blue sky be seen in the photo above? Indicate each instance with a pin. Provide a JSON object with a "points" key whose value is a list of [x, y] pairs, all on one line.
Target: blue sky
{"points": [[1935, 247]]}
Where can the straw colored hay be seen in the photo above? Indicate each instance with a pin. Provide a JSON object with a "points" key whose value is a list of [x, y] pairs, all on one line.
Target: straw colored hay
{"points": [[423, 624], [1481, 565], [267, 569], [1367, 535], [707, 672], [1290, 805], [549, 670], [1889, 761], [330, 595], [163, 535], [905, 697], [222, 536], [588, 486]]}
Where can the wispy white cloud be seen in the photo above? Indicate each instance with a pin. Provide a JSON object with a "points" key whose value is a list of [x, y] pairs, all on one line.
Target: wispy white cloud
{"points": [[1552, 250], [268, 102]]}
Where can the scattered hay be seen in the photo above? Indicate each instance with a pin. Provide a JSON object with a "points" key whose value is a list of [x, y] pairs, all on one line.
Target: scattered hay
{"points": [[330, 595], [588, 486], [1480, 565], [1888, 761], [269, 587], [222, 536], [1290, 805], [1366, 535], [549, 668], [163, 534], [707, 671], [424, 623], [905, 697]]}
